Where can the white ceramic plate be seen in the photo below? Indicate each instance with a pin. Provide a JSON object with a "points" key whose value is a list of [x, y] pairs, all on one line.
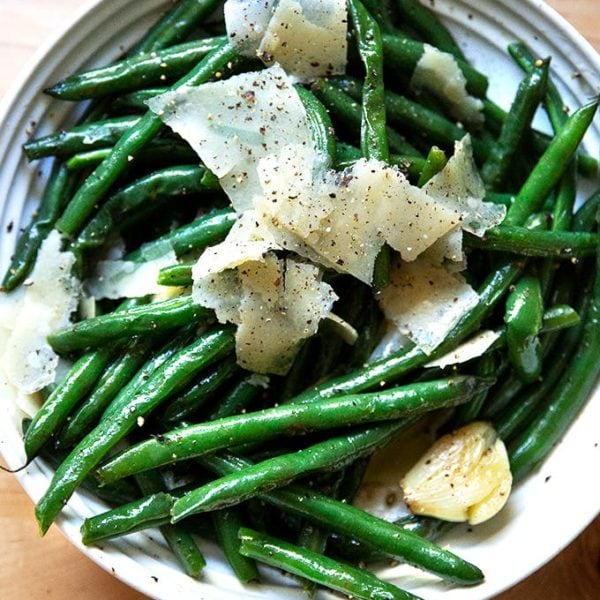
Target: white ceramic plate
{"points": [[544, 513]]}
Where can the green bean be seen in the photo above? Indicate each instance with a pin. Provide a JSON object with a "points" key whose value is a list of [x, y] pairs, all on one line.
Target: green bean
{"points": [[528, 242], [587, 213], [551, 166], [374, 143], [155, 317], [382, 268], [96, 186], [175, 25], [290, 420], [347, 112], [518, 122], [555, 107], [227, 524], [239, 398], [114, 378], [403, 54], [204, 231], [134, 72], [566, 399], [424, 22], [71, 391], [523, 318], [149, 191], [319, 120], [136, 101], [560, 316], [81, 138], [436, 161], [325, 571], [150, 511], [383, 13], [131, 407], [176, 275], [159, 151], [178, 538], [57, 192], [201, 390]]}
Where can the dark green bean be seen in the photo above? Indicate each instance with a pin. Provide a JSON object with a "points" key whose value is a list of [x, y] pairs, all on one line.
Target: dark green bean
{"points": [[436, 161], [374, 143], [201, 390], [134, 72], [289, 420], [518, 122], [128, 411], [81, 138], [176, 24], [178, 538], [426, 24], [528, 242], [97, 185], [136, 101], [176, 275], [239, 398], [354, 582], [57, 193], [139, 195], [204, 231], [227, 524], [105, 329], [319, 120], [559, 317], [551, 166]]}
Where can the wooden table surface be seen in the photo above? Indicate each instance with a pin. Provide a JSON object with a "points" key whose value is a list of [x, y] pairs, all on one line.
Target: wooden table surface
{"points": [[32, 568]]}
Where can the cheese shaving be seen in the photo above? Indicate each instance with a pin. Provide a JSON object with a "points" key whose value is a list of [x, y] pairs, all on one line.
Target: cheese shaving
{"points": [[234, 123], [425, 301], [308, 38], [115, 279], [438, 72], [45, 306]]}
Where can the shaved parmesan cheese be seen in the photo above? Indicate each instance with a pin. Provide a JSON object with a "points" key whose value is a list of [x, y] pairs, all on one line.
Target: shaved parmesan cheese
{"points": [[471, 349], [45, 305], [127, 279], [276, 303], [234, 123], [391, 342], [426, 301], [343, 219], [459, 186], [438, 72], [246, 22], [308, 38]]}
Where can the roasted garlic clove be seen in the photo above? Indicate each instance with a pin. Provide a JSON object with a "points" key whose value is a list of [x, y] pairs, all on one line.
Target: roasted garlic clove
{"points": [[464, 476]]}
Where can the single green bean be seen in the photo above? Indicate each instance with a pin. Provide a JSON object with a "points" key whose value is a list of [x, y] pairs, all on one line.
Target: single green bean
{"points": [[239, 398], [320, 124], [374, 143], [436, 161], [325, 571], [227, 524], [528, 242], [136, 101], [176, 24], [81, 138], [134, 72], [527, 99], [128, 411], [57, 193], [177, 275], [424, 22], [141, 320]]}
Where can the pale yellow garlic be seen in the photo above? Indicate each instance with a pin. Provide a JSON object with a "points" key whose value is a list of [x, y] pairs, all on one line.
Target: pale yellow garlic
{"points": [[464, 476]]}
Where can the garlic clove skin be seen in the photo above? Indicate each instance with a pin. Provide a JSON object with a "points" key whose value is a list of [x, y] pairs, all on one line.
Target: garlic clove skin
{"points": [[464, 476]]}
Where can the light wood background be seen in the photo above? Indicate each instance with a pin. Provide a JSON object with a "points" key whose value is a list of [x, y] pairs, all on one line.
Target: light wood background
{"points": [[52, 569]]}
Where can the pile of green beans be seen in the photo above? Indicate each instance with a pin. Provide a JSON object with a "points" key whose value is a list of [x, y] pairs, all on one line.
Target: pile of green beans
{"points": [[155, 395]]}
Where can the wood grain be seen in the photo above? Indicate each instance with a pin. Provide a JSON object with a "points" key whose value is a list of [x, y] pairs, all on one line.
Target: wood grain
{"points": [[32, 568]]}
